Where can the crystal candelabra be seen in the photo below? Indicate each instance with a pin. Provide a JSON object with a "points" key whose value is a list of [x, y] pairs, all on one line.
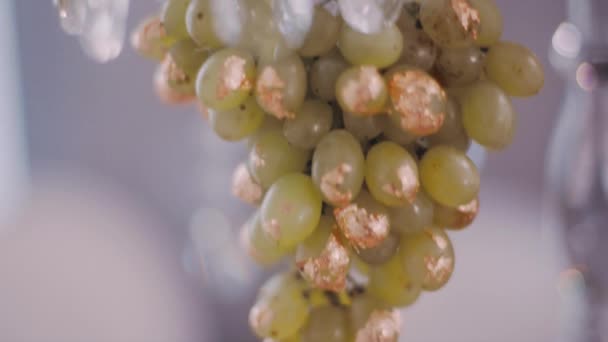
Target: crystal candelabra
{"points": [[577, 165]]}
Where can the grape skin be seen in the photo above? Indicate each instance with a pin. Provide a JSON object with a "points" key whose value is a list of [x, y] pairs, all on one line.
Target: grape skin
{"points": [[239, 123], [312, 122], [173, 14], [272, 156], [337, 168], [200, 25], [381, 49], [280, 310], [291, 210], [449, 176], [391, 174], [515, 69], [226, 79], [488, 115]]}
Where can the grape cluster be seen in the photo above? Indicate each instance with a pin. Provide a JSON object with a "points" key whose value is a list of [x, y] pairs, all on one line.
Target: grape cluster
{"points": [[357, 144]]}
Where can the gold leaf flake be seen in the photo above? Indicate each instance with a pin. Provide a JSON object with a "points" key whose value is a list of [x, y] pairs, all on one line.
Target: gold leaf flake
{"points": [[273, 229], [270, 90], [328, 271], [468, 17], [382, 326], [360, 93], [233, 77], [413, 93], [408, 185], [331, 183], [244, 187], [168, 73], [362, 229]]}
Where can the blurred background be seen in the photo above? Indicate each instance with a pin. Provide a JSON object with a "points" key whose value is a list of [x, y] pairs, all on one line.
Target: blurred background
{"points": [[99, 182]]}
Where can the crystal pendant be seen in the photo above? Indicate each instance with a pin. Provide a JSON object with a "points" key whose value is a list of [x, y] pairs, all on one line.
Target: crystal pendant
{"points": [[72, 15], [370, 16], [104, 34], [294, 19], [99, 24]]}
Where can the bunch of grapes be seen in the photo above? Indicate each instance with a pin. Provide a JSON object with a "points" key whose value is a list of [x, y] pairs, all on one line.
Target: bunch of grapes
{"points": [[357, 143]]}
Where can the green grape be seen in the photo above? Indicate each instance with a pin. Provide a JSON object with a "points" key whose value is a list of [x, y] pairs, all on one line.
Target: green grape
{"points": [[413, 217], [452, 131], [245, 188], [322, 259], [488, 115], [269, 124], [280, 310], [370, 321], [394, 133], [450, 23], [452, 124], [316, 243], [361, 90], [291, 210], [380, 49], [490, 22], [456, 218], [226, 79], [359, 267], [419, 50], [173, 16], [199, 24], [417, 101], [172, 84], [459, 23], [279, 281], [364, 128], [261, 247], [338, 168], [391, 174], [382, 253], [460, 141], [239, 123], [459, 66], [326, 324], [150, 39], [188, 56], [272, 156], [361, 309], [515, 69], [391, 284], [324, 75], [312, 122], [262, 35], [428, 256], [323, 34], [449, 176], [365, 222], [281, 87]]}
